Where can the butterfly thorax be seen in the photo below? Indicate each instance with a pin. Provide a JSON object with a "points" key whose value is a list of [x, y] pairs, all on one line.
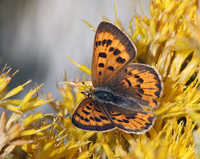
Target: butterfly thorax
{"points": [[107, 96]]}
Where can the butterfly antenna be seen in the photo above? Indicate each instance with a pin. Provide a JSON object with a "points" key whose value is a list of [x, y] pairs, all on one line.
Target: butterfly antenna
{"points": [[83, 92], [85, 85], [74, 107], [86, 92]]}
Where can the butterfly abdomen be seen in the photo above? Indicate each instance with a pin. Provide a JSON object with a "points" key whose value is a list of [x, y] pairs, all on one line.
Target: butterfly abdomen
{"points": [[106, 96]]}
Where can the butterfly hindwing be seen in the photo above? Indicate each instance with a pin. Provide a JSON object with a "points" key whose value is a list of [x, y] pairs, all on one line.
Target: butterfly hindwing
{"points": [[140, 83], [90, 115], [131, 121], [113, 50]]}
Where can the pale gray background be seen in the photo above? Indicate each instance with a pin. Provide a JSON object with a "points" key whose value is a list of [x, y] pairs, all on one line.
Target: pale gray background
{"points": [[36, 35]]}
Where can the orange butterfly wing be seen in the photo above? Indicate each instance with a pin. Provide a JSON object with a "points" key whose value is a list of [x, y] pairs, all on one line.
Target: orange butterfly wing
{"points": [[140, 83], [113, 50], [131, 121], [90, 115]]}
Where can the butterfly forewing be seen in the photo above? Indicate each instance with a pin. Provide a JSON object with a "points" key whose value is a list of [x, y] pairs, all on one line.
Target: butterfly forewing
{"points": [[138, 82], [113, 50], [90, 115]]}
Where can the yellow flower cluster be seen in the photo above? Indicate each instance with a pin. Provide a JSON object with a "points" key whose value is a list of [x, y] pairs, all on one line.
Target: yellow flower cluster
{"points": [[19, 129]]}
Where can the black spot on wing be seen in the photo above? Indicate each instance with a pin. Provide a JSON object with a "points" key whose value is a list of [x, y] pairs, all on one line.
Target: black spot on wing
{"points": [[138, 85], [129, 83], [97, 119], [120, 60], [111, 68], [103, 42], [116, 52], [88, 107], [77, 114], [140, 80], [99, 43], [141, 91], [139, 95], [111, 49], [136, 76], [126, 121], [101, 64], [130, 73], [113, 118], [103, 118], [82, 118], [87, 120], [103, 55], [118, 114], [87, 113], [109, 42], [98, 110]]}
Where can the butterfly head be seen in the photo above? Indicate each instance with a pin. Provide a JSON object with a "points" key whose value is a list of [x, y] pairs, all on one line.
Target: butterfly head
{"points": [[87, 92]]}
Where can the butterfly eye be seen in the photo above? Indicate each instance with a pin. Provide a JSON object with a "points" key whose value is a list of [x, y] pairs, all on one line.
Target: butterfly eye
{"points": [[85, 93]]}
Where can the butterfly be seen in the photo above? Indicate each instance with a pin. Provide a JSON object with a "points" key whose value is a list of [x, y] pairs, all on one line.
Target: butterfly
{"points": [[121, 88]]}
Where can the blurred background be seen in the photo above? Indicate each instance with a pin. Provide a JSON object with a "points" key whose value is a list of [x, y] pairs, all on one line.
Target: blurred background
{"points": [[36, 36]]}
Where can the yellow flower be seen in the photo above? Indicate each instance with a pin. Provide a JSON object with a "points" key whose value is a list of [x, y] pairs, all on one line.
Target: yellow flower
{"points": [[17, 129]]}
